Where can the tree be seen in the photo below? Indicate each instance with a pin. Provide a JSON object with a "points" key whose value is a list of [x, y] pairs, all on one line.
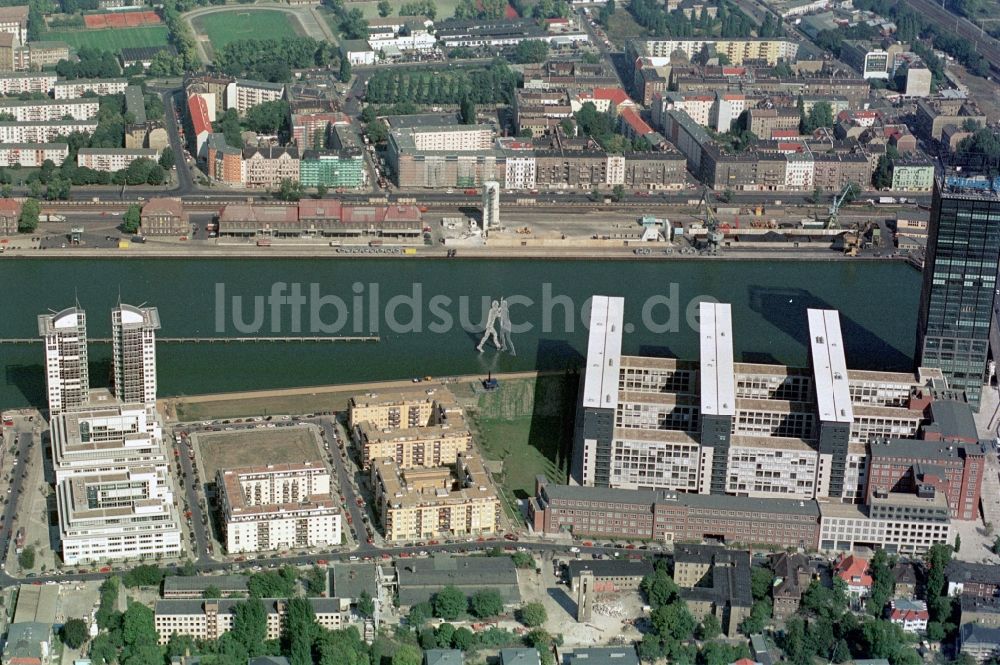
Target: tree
{"points": [[419, 614], [353, 24], [300, 631], [179, 646], [523, 560], [883, 583], [449, 603], [270, 584], [268, 118], [366, 606], [131, 221], [289, 190], [384, 8], [315, 582], [996, 545], [138, 632], [533, 615], [710, 628], [250, 625], [406, 655], [345, 70], [211, 592], [26, 559], [167, 158], [467, 111], [74, 633], [106, 609], [486, 603], [531, 51], [659, 588], [618, 193], [673, 621], [760, 583], [760, 614], [841, 652], [463, 639], [882, 176], [958, 542], [27, 223]]}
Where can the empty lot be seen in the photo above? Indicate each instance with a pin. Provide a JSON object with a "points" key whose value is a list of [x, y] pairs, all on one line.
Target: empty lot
{"points": [[256, 448]]}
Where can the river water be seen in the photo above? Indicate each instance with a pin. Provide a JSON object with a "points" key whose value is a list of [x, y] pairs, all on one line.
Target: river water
{"points": [[197, 297]]}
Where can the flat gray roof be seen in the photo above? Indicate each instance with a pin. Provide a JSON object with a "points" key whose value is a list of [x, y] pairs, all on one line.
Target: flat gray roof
{"points": [[604, 351], [833, 394], [602, 656], [718, 382], [225, 583], [348, 580], [611, 567]]}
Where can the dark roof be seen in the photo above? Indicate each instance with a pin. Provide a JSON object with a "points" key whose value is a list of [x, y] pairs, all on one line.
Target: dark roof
{"points": [[691, 553], [444, 657], [904, 573], [730, 585], [268, 660], [954, 418], [225, 583], [916, 448], [519, 656], [348, 580], [611, 568], [602, 656], [138, 53], [180, 606], [420, 579], [962, 572], [983, 604], [974, 633], [271, 151]]}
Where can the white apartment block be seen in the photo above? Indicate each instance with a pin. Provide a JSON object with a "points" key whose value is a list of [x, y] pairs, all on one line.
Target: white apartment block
{"points": [[519, 172], [12, 83], [117, 516], [109, 438], [100, 87], [908, 529], [112, 159], [737, 49], [67, 375], [278, 506], [133, 338], [43, 132], [47, 110], [33, 154], [211, 618], [243, 95], [454, 138]]}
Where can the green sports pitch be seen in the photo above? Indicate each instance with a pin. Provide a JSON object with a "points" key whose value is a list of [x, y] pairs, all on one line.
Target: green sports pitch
{"points": [[229, 26], [112, 39]]}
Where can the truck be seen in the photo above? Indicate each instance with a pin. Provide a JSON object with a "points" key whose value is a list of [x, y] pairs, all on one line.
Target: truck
{"points": [[264, 242], [52, 218], [886, 200], [472, 191]]}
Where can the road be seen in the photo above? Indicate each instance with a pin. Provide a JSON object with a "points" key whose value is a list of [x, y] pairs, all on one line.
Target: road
{"points": [[185, 181], [190, 483], [14, 497]]}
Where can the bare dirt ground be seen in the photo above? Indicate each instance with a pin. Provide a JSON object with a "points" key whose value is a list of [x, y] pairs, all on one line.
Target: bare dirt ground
{"points": [[257, 447]]}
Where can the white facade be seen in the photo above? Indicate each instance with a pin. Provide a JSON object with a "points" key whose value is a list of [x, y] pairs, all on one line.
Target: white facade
{"points": [[112, 159], [420, 41], [242, 95], [457, 139], [100, 87], [133, 337], [43, 132], [519, 172], [844, 526], [278, 507], [799, 171], [67, 375], [33, 154], [491, 205], [56, 109], [117, 516], [727, 110], [15, 84]]}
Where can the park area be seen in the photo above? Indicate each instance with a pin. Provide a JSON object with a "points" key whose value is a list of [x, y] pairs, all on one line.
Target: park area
{"points": [[112, 39], [228, 26], [528, 425], [256, 448], [445, 8]]}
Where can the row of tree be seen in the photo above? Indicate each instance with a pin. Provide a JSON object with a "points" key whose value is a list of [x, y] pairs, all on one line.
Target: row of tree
{"points": [[729, 21], [273, 59], [494, 84]]}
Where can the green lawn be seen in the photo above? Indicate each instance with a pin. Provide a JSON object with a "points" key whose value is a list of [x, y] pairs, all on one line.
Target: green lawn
{"points": [[112, 39], [224, 27], [445, 8], [528, 425]]}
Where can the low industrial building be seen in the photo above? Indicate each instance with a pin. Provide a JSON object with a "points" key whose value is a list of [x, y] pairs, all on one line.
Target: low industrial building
{"points": [[980, 643], [276, 507], [972, 579], [420, 579], [610, 575], [181, 586], [164, 215], [714, 580], [10, 216], [323, 217]]}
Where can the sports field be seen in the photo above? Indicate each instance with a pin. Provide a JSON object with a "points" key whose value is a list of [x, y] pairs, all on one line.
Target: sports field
{"points": [[113, 39], [229, 26], [256, 447]]}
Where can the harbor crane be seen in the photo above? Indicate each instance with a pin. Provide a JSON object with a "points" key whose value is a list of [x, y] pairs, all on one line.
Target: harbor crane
{"points": [[713, 236], [838, 200]]}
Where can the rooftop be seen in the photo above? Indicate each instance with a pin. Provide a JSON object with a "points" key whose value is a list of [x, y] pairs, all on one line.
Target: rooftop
{"points": [[197, 583], [611, 567], [602, 656], [349, 580]]}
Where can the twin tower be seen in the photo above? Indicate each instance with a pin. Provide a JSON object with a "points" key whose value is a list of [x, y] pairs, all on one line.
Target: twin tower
{"points": [[133, 340]]}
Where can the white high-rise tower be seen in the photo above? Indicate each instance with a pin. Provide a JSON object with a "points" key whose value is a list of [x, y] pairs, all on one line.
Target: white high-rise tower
{"points": [[67, 377], [491, 206], [133, 337]]}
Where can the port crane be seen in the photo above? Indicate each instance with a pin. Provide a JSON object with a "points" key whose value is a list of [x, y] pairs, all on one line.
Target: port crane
{"points": [[713, 236], [838, 200]]}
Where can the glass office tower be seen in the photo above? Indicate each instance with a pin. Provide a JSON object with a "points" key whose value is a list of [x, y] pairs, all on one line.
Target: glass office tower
{"points": [[959, 282]]}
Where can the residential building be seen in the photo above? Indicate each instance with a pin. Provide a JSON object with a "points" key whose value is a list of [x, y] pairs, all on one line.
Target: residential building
{"points": [[977, 609], [339, 170], [34, 110], [106, 436], [164, 215], [33, 154], [870, 61], [278, 506], [500, 32], [200, 124], [209, 619], [737, 50], [7, 49], [904, 575], [855, 573], [223, 162], [268, 166], [15, 83], [610, 575], [133, 361], [242, 94], [763, 122], [519, 656], [76, 88], [310, 131], [67, 374], [10, 216], [918, 80], [112, 159], [349, 581], [117, 516], [40, 54], [42, 131], [432, 446], [910, 615], [912, 173], [933, 114], [979, 642], [183, 586], [418, 580], [28, 642], [14, 21], [399, 410], [212, 88], [978, 580], [959, 281], [444, 657], [416, 504], [793, 573], [135, 109]]}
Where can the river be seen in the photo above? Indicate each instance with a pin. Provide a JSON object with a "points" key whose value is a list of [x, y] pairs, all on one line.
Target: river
{"points": [[196, 297]]}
